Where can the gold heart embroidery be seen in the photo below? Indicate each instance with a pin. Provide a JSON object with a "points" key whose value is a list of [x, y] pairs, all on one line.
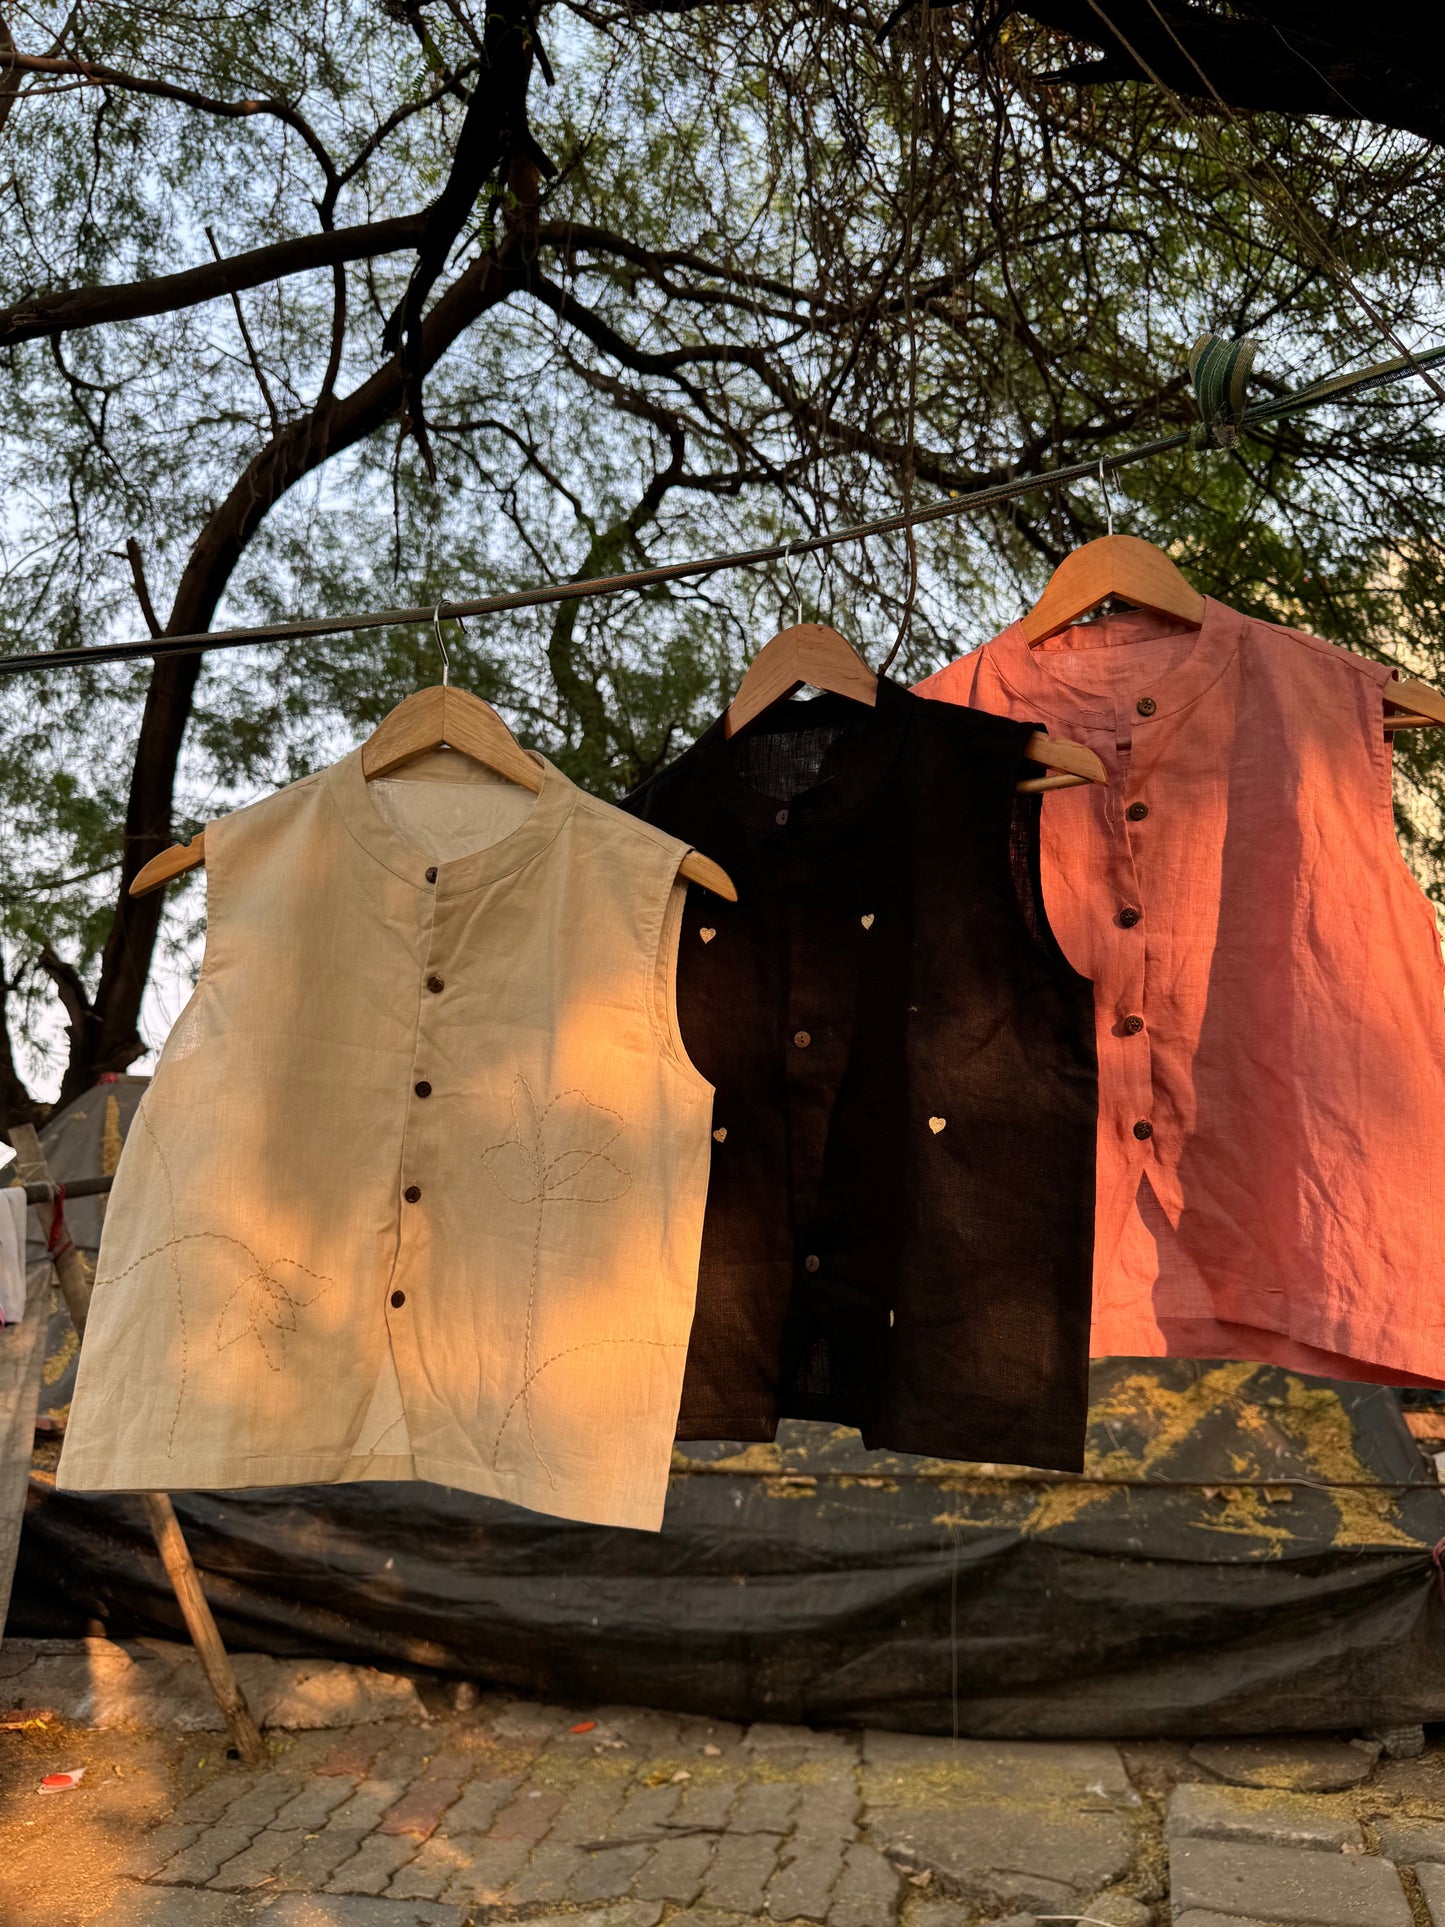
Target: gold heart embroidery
{"points": [[707, 935], [721, 1132], [936, 1124], [867, 920]]}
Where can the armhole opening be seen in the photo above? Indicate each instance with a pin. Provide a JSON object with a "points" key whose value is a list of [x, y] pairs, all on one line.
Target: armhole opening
{"points": [[1382, 747], [1026, 873], [181, 1039], [663, 988]]}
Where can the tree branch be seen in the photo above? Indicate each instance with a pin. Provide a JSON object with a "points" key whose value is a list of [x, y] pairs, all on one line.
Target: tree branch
{"points": [[17, 1106], [928, 464], [605, 553], [100, 75], [74, 308], [302, 446], [142, 592], [388, 126], [493, 133], [273, 413], [9, 78], [80, 1014]]}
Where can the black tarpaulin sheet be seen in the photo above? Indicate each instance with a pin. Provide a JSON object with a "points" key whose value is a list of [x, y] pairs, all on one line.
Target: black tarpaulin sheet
{"points": [[1241, 1557]]}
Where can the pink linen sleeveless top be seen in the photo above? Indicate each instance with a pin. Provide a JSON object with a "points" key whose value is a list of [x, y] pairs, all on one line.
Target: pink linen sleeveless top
{"points": [[1268, 991]]}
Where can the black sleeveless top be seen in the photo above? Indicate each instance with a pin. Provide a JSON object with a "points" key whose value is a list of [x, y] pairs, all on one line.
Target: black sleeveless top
{"points": [[899, 1228]]}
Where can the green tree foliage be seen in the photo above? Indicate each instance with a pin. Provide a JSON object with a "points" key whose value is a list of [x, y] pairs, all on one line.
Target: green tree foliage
{"points": [[326, 308]]}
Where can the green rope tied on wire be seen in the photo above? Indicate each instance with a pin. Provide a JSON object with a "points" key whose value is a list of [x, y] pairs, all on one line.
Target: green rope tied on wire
{"points": [[1220, 371]]}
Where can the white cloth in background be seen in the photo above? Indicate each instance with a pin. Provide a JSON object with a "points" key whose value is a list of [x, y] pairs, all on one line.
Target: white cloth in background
{"points": [[12, 1255]]}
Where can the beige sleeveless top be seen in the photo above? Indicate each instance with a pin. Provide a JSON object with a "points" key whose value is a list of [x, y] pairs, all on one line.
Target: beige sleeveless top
{"points": [[417, 1189]]}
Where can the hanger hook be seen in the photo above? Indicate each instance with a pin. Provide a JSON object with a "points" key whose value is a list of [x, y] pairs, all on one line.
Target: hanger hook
{"points": [[1104, 490], [436, 623], [793, 582], [824, 559]]}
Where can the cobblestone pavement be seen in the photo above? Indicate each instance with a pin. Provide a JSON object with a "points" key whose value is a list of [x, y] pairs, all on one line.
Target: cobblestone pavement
{"points": [[611, 1817]]}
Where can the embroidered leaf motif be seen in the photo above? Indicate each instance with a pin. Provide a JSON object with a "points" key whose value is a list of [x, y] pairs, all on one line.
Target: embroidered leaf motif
{"points": [[234, 1321], [264, 1304], [558, 1153], [515, 1169], [555, 1155], [572, 1122], [524, 1111], [586, 1177]]}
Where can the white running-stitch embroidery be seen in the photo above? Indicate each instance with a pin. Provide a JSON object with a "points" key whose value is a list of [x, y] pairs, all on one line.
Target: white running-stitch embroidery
{"points": [[588, 1345], [556, 1155], [260, 1301]]}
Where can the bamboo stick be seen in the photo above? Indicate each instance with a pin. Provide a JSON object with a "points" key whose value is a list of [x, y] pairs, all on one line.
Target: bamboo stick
{"points": [[186, 1584]]}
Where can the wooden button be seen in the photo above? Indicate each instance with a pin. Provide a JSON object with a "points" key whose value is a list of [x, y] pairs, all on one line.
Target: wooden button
{"points": [[434, 984], [431, 875], [412, 1193], [1136, 812], [1143, 1128], [1129, 916], [811, 1262], [1132, 1026], [802, 1038], [1146, 705]]}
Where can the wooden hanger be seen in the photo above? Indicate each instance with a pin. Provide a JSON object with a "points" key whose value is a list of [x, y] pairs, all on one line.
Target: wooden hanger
{"points": [[431, 719], [1419, 706], [1139, 573], [1136, 571], [809, 653], [1114, 565], [813, 654]]}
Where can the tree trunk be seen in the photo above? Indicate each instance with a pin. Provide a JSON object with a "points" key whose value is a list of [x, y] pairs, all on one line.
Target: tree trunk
{"points": [[17, 1106], [107, 1037]]}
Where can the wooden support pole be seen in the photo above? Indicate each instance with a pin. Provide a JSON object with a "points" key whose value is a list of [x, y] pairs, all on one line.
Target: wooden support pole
{"points": [[70, 1269], [186, 1583], [74, 1188], [32, 1169]]}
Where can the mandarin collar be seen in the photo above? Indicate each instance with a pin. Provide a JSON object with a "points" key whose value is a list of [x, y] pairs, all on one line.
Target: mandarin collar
{"points": [[855, 771], [1039, 675], [347, 786]]}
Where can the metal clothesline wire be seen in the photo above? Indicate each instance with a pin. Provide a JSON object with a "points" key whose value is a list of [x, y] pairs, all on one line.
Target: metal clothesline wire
{"points": [[1378, 375]]}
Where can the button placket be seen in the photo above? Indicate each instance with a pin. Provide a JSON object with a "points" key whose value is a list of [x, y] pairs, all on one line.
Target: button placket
{"points": [[809, 1071], [415, 1136], [1133, 933]]}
